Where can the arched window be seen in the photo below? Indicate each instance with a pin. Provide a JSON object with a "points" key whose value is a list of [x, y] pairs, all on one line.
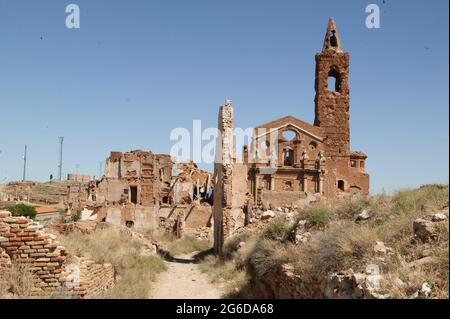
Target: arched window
{"points": [[333, 39], [341, 185], [289, 135], [312, 145], [288, 156], [288, 186], [334, 81]]}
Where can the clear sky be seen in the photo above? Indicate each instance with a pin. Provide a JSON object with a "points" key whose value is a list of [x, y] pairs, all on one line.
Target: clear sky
{"points": [[137, 69]]}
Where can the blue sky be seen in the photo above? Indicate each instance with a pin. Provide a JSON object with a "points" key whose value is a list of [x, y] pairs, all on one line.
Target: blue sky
{"points": [[137, 69]]}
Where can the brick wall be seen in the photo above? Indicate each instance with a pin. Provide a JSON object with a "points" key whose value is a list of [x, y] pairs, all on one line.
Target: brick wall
{"points": [[24, 241], [84, 277]]}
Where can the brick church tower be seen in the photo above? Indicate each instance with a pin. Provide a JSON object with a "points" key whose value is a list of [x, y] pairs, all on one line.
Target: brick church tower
{"points": [[332, 101]]}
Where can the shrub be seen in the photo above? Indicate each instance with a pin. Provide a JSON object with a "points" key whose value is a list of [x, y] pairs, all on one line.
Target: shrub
{"points": [[76, 217], [278, 229], [231, 245], [319, 217], [22, 210], [342, 246], [268, 255], [352, 206]]}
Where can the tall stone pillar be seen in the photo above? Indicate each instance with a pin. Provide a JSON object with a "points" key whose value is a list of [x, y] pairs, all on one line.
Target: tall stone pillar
{"points": [[223, 173]]}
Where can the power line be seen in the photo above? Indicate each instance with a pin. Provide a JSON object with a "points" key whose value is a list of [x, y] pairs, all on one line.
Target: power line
{"points": [[100, 170], [61, 141]]}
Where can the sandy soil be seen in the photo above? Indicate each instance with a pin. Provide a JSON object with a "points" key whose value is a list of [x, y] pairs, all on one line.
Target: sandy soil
{"points": [[183, 280]]}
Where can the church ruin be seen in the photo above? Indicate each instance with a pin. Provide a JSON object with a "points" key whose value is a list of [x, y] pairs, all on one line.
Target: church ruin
{"points": [[288, 158]]}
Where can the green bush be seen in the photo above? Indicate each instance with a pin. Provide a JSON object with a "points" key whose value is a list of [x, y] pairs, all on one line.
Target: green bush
{"points": [[22, 210], [319, 217], [76, 217], [276, 230]]}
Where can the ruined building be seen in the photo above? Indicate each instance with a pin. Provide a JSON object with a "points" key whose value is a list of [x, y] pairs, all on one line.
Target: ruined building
{"points": [[143, 189], [289, 157]]}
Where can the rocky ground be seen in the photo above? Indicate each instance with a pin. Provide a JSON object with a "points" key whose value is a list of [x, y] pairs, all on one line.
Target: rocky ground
{"points": [[356, 247]]}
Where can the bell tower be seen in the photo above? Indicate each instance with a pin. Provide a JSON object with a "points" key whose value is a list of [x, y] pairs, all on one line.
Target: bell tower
{"points": [[332, 101]]}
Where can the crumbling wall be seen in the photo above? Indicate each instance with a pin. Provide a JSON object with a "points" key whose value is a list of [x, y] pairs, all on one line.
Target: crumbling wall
{"points": [[79, 178], [26, 242], [281, 198], [84, 277], [283, 283], [23, 241]]}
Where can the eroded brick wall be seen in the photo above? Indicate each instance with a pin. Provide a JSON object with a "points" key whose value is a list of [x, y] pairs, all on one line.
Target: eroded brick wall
{"points": [[84, 277], [26, 243], [23, 241]]}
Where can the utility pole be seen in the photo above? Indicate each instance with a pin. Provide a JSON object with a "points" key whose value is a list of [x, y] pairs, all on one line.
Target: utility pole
{"points": [[24, 165], [100, 170], [61, 141]]}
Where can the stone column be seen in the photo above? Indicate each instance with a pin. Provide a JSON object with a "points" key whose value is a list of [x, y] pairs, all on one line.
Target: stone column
{"points": [[223, 174], [272, 183]]}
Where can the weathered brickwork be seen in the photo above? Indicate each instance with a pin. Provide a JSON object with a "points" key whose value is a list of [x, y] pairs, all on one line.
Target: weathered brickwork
{"points": [[145, 190], [84, 277], [291, 157], [26, 242], [23, 241]]}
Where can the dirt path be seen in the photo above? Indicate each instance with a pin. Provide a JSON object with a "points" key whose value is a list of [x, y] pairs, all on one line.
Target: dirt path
{"points": [[183, 280]]}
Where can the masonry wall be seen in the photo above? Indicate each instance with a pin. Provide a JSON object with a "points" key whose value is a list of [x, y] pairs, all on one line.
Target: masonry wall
{"points": [[79, 178], [84, 277], [23, 241]]}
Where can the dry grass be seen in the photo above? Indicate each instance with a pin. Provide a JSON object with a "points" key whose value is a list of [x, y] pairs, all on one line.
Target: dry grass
{"points": [[187, 245], [135, 271], [16, 282], [235, 282], [342, 246], [338, 243], [173, 246]]}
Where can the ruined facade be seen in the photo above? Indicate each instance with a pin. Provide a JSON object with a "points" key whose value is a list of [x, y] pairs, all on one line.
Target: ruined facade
{"points": [[289, 161], [289, 158], [143, 189]]}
